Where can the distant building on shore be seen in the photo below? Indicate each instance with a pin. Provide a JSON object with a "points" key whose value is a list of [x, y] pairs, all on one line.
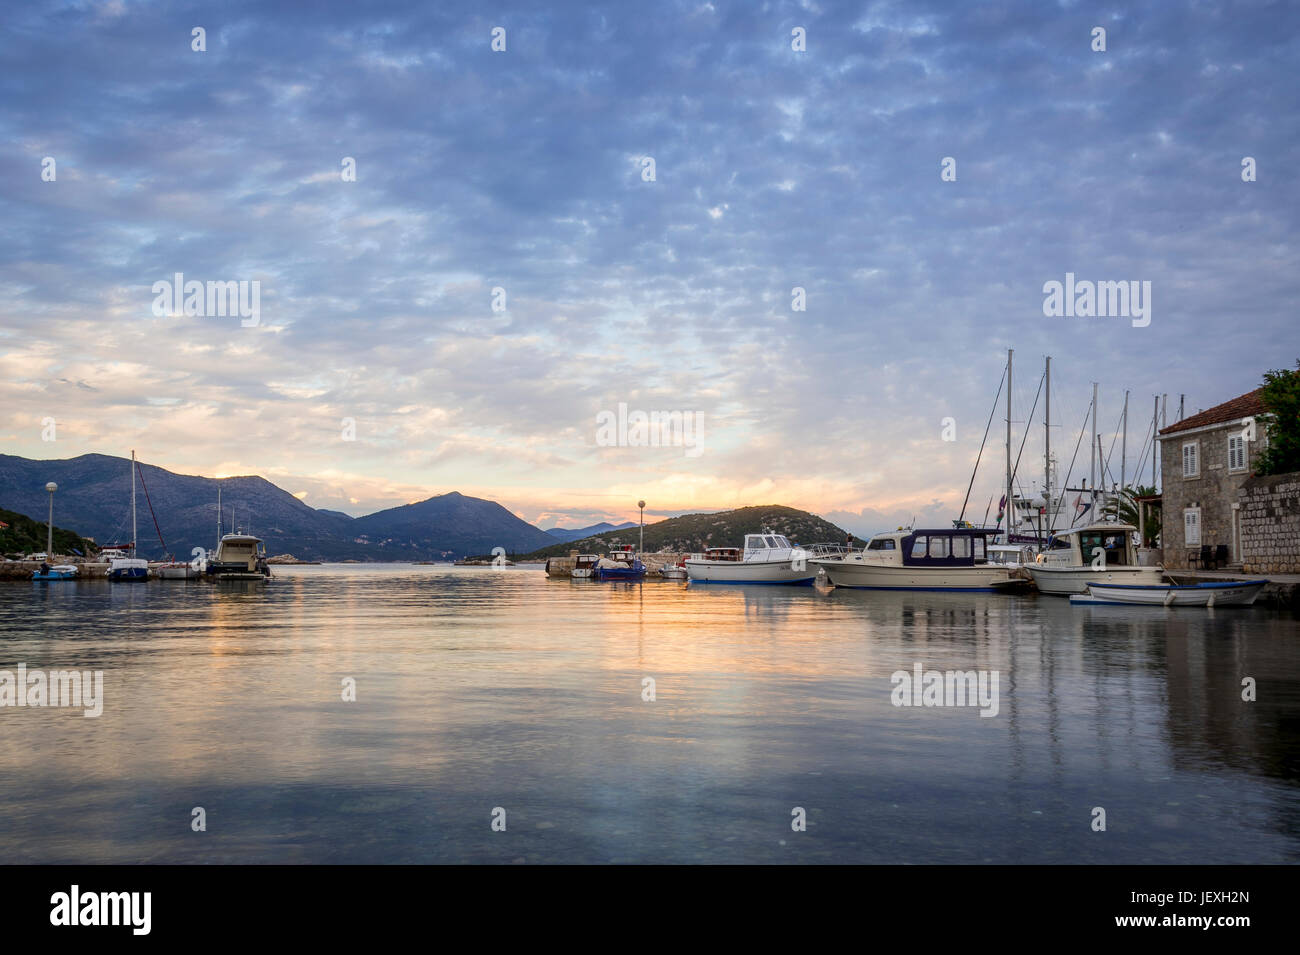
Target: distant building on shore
{"points": [[1205, 461]]}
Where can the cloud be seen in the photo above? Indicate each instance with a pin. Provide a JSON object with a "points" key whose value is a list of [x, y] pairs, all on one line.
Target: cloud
{"points": [[774, 169]]}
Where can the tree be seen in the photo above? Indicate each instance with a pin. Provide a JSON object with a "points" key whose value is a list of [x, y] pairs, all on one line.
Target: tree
{"points": [[1127, 511], [1281, 399]]}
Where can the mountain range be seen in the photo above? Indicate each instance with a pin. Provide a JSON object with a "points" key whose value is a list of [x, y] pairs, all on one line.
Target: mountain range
{"points": [[94, 498], [578, 533]]}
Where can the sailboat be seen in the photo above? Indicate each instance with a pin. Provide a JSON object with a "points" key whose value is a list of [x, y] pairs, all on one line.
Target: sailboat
{"points": [[129, 568]]}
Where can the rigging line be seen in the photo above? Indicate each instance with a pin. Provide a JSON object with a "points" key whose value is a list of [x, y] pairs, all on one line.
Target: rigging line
{"points": [[151, 513], [1015, 470], [975, 470], [1070, 473]]}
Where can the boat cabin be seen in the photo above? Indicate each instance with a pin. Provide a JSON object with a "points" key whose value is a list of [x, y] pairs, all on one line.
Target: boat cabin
{"points": [[239, 549], [624, 554], [930, 547], [767, 546], [1079, 546]]}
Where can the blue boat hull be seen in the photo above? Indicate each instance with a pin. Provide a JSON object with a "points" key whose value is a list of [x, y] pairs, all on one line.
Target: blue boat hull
{"points": [[133, 574]]}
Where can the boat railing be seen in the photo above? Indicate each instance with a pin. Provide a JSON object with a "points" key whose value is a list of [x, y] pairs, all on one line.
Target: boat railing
{"points": [[829, 550]]}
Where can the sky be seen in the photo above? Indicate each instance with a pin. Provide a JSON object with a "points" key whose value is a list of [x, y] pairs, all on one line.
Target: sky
{"points": [[619, 207]]}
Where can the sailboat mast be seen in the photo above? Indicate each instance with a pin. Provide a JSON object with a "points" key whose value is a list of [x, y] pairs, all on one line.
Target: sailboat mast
{"points": [[134, 553], [1123, 447], [218, 513], [1010, 352], [1155, 445], [1092, 474], [1047, 445]]}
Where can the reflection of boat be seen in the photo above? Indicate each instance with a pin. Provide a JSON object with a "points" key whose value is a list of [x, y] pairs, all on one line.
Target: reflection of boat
{"points": [[953, 558], [57, 572], [584, 566], [239, 558], [766, 559], [1096, 553], [1239, 593], [129, 568], [621, 564]]}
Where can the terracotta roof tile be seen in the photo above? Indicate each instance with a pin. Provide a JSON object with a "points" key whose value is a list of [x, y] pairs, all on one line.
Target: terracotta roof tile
{"points": [[1245, 406]]}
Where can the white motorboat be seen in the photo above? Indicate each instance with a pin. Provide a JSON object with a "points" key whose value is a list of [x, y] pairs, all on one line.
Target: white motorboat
{"points": [[952, 558], [766, 559], [1097, 553], [1011, 556], [584, 566], [673, 571], [1232, 593], [239, 557]]}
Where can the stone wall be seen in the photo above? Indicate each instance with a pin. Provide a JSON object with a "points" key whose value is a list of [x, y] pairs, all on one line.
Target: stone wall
{"points": [[1214, 490], [1270, 524]]}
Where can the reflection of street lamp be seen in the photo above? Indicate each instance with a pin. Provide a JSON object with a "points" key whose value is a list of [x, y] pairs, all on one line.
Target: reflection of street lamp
{"points": [[641, 505], [49, 537]]}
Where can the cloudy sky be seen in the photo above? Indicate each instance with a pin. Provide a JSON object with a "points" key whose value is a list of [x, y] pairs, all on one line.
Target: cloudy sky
{"points": [[526, 170]]}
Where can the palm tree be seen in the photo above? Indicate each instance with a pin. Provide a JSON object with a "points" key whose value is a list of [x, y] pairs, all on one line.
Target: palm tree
{"points": [[1127, 511]]}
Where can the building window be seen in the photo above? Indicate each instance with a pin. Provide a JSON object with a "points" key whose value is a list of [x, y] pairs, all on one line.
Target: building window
{"points": [[1236, 452], [1192, 526], [1191, 459]]}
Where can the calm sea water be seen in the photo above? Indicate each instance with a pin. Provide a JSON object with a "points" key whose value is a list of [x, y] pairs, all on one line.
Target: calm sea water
{"points": [[479, 688]]}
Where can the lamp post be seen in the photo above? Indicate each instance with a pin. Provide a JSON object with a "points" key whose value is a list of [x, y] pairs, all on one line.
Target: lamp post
{"points": [[641, 505], [49, 537]]}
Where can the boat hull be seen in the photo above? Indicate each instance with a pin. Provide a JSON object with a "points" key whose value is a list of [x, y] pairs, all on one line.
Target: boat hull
{"points": [[1063, 581], [861, 575], [183, 572], [619, 573], [1216, 594], [749, 572]]}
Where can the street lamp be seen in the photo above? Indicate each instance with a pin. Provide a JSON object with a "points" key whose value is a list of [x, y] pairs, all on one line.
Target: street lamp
{"points": [[641, 505], [49, 537]]}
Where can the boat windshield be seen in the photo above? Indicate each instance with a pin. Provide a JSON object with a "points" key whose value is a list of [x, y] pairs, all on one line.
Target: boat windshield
{"points": [[1113, 544]]}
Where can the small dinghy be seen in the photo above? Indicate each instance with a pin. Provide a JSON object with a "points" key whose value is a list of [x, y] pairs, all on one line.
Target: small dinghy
{"points": [[1231, 593], [57, 572]]}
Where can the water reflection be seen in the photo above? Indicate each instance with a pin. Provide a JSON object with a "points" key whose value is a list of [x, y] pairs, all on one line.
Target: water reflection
{"points": [[477, 687]]}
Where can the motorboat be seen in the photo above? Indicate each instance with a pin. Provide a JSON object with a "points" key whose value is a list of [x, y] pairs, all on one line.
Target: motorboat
{"points": [[238, 557], [621, 564], [952, 558], [178, 570], [1102, 553], [766, 558], [675, 571], [1233, 593], [584, 566], [55, 572]]}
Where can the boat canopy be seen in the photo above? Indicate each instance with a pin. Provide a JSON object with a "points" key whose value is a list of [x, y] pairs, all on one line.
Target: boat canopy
{"points": [[937, 547]]}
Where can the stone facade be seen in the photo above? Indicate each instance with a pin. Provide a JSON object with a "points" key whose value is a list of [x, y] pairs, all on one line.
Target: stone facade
{"points": [[1270, 524], [1211, 494]]}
